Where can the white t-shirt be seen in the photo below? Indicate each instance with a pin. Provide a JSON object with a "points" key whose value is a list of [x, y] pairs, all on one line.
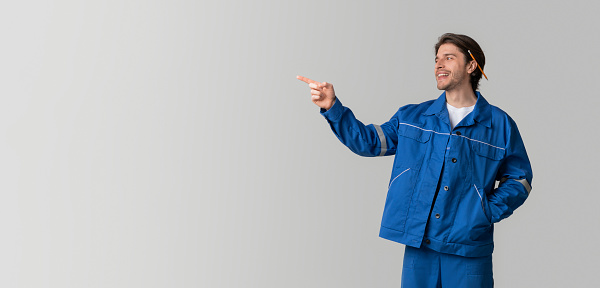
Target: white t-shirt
{"points": [[457, 114]]}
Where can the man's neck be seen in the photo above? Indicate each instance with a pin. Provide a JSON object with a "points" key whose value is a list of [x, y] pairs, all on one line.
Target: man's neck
{"points": [[461, 97]]}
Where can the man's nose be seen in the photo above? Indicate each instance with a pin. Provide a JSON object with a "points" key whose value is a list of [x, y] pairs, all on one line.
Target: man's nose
{"points": [[439, 64]]}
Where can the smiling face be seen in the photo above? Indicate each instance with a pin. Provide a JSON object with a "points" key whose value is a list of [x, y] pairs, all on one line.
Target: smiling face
{"points": [[451, 68]]}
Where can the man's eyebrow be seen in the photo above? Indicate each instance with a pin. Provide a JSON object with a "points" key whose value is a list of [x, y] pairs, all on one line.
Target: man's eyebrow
{"points": [[447, 54]]}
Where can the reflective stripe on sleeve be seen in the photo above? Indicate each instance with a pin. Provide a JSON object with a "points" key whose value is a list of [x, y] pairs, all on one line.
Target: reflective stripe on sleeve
{"points": [[522, 181], [381, 139], [525, 184]]}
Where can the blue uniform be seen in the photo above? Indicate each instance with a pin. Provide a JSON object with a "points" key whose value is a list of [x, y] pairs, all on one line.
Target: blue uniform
{"points": [[448, 186]]}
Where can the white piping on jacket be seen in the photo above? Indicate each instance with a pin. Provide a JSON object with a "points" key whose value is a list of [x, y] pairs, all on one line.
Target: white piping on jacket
{"points": [[479, 197], [452, 135], [396, 178]]}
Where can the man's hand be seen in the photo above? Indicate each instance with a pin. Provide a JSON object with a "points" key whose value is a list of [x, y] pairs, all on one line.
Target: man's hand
{"points": [[322, 93]]}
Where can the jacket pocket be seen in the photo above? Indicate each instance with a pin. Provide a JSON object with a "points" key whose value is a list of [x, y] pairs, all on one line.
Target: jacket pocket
{"points": [[399, 196], [413, 132], [472, 225], [411, 146], [487, 150], [484, 203]]}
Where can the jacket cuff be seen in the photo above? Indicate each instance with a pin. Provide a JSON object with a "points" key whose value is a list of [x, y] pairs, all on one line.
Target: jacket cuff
{"points": [[335, 112]]}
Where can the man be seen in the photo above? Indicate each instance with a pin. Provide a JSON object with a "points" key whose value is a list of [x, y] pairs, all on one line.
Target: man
{"points": [[460, 166]]}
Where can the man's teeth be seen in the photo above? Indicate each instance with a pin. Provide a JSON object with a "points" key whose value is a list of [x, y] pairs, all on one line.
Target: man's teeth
{"points": [[443, 75]]}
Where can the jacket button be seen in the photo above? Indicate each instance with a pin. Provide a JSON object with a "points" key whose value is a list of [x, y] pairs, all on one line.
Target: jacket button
{"points": [[458, 133], [454, 160], [437, 215], [427, 241], [446, 188]]}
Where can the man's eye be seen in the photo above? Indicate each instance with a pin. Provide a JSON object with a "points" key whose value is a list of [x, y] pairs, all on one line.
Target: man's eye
{"points": [[448, 58]]}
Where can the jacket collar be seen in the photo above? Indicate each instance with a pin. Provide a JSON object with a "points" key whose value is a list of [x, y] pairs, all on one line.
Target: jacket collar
{"points": [[482, 113]]}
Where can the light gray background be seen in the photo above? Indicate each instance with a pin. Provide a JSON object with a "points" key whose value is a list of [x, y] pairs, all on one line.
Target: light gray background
{"points": [[168, 143]]}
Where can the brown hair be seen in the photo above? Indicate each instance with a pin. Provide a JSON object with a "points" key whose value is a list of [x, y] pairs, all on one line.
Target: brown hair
{"points": [[464, 43]]}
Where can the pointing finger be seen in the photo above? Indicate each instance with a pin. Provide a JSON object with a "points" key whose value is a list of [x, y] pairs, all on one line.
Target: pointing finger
{"points": [[307, 80]]}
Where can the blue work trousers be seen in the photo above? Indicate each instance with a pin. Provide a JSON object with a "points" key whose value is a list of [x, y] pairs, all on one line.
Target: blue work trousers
{"points": [[425, 268]]}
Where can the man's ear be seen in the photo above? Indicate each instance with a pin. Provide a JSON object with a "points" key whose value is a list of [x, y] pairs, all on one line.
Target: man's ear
{"points": [[472, 66]]}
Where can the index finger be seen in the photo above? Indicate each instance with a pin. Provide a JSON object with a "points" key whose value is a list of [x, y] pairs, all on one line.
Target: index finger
{"points": [[306, 79]]}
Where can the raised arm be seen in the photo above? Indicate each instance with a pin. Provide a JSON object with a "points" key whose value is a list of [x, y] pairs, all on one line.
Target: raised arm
{"points": [[365, 140]]}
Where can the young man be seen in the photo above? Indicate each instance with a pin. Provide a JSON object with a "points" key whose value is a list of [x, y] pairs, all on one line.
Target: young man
{"points": [[460, 166]]}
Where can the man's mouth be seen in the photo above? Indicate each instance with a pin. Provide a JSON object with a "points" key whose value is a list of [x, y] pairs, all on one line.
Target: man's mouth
{"points": [[440, 76]]}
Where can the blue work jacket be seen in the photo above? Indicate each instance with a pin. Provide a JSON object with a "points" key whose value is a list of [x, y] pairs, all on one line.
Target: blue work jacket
{"points": [[448, 186]]}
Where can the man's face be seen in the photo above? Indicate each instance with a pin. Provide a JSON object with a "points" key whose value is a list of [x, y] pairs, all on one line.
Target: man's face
{"points": [[451, 68]]}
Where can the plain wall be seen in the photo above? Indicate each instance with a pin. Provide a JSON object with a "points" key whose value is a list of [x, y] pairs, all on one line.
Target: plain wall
{"points": [[169, 144]]}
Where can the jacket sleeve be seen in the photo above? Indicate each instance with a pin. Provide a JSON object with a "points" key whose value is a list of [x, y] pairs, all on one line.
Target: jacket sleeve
{"points": [[365, 140], [515, 176]]}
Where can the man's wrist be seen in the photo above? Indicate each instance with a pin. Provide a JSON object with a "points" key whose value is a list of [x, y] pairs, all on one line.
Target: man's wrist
{"points": [[334, 112]]}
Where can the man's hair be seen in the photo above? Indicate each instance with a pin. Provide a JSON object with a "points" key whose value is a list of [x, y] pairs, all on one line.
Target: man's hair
{"points": [[464, 43]]}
